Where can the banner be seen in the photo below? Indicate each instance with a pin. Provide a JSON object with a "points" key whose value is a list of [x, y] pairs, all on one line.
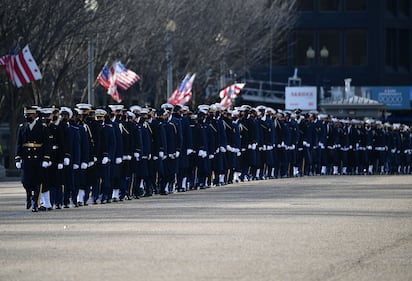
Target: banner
{"points": [[303, 98]]}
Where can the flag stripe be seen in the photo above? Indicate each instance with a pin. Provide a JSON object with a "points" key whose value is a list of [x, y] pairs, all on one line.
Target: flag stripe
{"points": [[21, 68]]}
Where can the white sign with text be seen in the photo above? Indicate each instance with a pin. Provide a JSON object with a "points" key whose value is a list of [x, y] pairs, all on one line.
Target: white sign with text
{"points": [[303, 98]]}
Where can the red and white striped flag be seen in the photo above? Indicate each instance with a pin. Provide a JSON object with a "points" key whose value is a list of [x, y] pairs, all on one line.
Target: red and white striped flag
{"points": [[124, 77], [21, 68], [229, 94], [183, 94], [117, 76]]}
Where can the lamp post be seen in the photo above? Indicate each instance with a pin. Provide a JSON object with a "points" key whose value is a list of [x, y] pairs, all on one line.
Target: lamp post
{"points": [[170, 29], [91, 7], [319, 65], [222, 41]]}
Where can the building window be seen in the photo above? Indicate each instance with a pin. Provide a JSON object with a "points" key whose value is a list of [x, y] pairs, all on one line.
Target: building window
{"points": [[305, 5], [390, 50], [404, 8], [303, 42], [355, 48], [356, 5], [329, 5], [390, 7], [404, 50], [329, 47]]}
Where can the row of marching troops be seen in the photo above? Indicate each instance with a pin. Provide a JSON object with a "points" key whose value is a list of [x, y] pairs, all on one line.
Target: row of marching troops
{"points": [[70, 157]]}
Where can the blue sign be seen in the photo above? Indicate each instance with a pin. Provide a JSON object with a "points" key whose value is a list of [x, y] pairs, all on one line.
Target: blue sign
{"points": [[395, 98]]}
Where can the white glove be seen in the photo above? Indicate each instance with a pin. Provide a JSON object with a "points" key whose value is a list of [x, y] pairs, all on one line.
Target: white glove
{"points": [[149, 157], [91, 163], [136, 155], [66, 161], [118, 160], [18, 165], [60, 166], [95, 159], [75, 166], [161, 154], [393, 150], [124, 157], [305, 143], [264, 147], [222, 149], [369, 147], [45, 164], [177, 154], [83, 166], [105, 160], [171, 156], [200, 153], [238, 153], [269, 147], [155, 158], [249, 146], [211, 156], [253, 146], [189, 151]]}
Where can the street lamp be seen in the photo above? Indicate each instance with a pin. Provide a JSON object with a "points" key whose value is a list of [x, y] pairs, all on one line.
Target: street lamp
{"points": [[91, 7], [324, 54], [170, 29], [310, 53], [222, 41]]}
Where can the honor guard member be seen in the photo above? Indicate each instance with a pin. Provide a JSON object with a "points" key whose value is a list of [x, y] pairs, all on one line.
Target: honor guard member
{"points": [[125, 169], [221, 146], [142, 173], [116, 112], [186, 148], [32, 154], [174, 140], [136, 133], [71, 156], [159, 145], [46, 205], [201, 141], [85, 146], [135, 142], [233, 153], [56, 138]]}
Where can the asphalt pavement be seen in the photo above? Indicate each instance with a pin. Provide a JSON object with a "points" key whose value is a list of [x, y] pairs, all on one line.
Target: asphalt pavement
{"points": [[309, 228]]}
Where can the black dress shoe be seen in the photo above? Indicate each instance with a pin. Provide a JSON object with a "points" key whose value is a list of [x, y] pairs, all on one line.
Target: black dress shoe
{"points": [[58, 207], [66, 206], [42, 208], [28, 205], [34, 210]]}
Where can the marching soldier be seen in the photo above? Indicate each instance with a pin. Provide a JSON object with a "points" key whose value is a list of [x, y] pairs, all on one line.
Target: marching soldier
{"points": [[32, 154]]}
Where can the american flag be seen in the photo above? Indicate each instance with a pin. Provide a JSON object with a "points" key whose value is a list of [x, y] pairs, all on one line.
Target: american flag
{"points": [[124, 77], [104, 77], [229, 94], [21, 68], [116, 76], [183, 94]]}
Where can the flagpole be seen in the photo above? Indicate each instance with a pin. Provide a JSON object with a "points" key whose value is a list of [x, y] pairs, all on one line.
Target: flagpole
{"points": [[170, 29], [90, 93]]}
